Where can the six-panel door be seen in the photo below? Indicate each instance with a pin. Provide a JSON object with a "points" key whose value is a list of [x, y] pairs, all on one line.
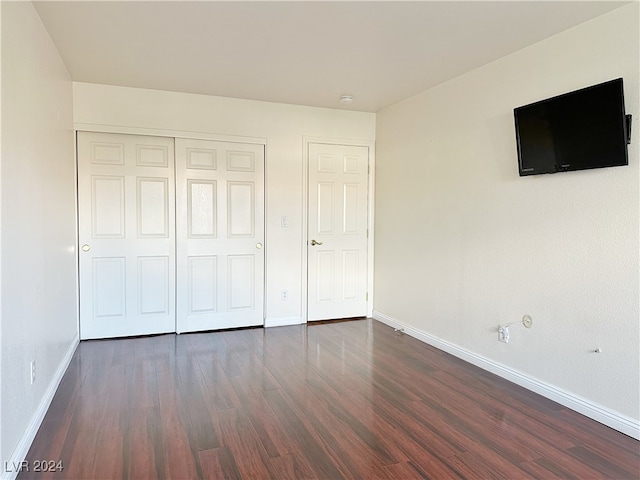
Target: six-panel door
{"points": [[126, 235], [337, 231], [220, 229]]}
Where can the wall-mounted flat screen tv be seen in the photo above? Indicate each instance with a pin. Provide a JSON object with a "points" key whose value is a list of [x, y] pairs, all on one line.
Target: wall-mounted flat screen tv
{"points": [[579, 130]]}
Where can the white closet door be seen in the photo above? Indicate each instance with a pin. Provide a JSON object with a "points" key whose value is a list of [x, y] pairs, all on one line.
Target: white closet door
{"points": [[126, 210], [337, 231], [220, 234]]}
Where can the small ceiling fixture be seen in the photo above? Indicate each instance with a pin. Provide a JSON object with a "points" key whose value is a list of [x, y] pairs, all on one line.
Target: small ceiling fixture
{"points": [[346, 99]]}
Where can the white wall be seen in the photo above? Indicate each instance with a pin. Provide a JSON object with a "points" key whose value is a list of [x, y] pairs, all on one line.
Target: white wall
{"points": [[1, 451], [283, 127], [477, 246], [39, 302]]}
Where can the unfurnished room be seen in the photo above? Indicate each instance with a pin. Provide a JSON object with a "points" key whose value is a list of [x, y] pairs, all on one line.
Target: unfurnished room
{"points": [[320, 239]]}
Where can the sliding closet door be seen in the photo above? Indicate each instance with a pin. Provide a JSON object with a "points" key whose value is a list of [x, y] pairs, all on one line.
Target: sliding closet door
{"points": [[220, 234], [126, 209]]}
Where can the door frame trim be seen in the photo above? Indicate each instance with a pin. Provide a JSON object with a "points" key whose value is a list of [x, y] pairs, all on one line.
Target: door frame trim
{"points": [[156, 132], [370, 144]]}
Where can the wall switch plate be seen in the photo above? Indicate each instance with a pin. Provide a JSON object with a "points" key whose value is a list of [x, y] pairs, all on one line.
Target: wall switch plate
{"points": [[33, 372]]}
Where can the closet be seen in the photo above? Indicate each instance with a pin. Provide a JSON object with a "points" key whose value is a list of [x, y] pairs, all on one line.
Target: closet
{"points": [[171, 234]]}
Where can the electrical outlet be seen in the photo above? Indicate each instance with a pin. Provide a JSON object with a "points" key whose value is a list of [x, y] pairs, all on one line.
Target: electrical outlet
{"points": [[33, 372], [284, 295], [503, 334]]}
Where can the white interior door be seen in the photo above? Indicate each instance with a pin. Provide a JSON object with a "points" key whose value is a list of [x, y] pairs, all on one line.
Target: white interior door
{"points": [[126, 230], [220, 228], [337, 231]]}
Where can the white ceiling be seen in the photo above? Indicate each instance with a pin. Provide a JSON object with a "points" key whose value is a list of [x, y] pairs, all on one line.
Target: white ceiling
{"points": [[306, 53]]}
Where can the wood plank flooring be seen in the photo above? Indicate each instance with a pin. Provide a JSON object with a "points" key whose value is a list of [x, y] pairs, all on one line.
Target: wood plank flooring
{"points": [[335, 400]]}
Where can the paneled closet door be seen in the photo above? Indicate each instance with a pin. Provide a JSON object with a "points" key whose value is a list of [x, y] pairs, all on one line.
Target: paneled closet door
{"points": [[220, 229], [126, 209]]}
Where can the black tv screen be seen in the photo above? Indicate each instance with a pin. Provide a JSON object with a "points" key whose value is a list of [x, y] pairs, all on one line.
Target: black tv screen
{"points": [[583, 129]]}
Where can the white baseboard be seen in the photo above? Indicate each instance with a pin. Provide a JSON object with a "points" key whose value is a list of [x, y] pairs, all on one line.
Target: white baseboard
{"points": [[11, 467], [606, 416], [282, 321]]}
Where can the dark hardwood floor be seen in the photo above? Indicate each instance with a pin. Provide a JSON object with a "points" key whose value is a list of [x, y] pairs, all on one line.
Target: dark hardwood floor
{"points": [[335, 400]]}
